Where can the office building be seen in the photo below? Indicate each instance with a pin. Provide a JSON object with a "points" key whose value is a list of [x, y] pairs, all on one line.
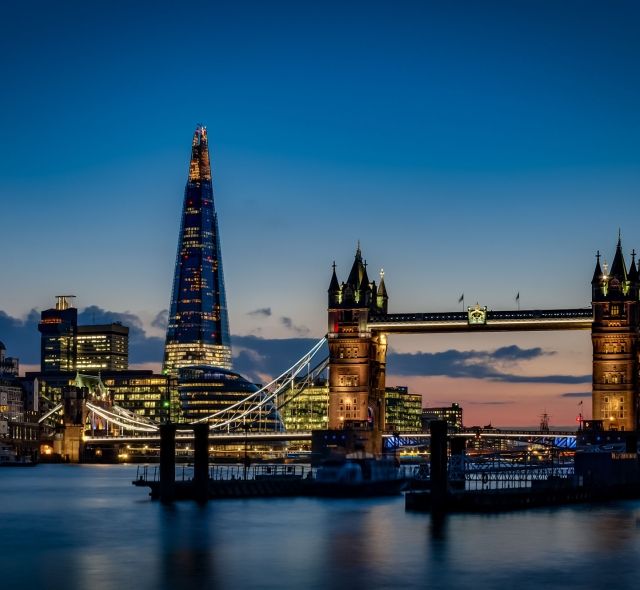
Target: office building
{"points": [[102, 347], [9, 366], [198, 328], [451, 414], [68, 347], [58, 327], [403, 410], [309, 410], [143, 392], [206, 391]]}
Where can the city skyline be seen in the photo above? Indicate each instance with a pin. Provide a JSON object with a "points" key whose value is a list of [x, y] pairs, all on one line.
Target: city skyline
{"points": [[489, 152]]}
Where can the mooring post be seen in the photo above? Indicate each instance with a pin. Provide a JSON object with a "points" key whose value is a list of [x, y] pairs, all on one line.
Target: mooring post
{"points": [[167, 462], [439, 483], [201, 462]]}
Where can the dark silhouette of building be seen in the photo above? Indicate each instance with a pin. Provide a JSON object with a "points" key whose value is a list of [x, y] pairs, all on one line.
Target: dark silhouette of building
{"points": [[198, 329], [452, 415], [615, 335], [9, 366], [58, 327]]}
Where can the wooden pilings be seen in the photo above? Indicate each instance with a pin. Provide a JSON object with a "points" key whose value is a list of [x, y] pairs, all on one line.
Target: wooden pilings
{"points": [[167, 462], [201, 462], [200, 483], [439, 483]]}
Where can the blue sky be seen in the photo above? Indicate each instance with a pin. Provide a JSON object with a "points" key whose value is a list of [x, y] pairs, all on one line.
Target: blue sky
{"points": [[480, 147]]}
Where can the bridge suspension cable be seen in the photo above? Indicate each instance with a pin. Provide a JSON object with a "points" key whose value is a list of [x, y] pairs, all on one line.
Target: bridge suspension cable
{"points": [[240, 412], [51, 412], [119, 418]]}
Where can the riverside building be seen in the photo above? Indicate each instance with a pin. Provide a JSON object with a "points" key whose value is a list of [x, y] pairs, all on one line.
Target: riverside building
{"points": [[208, 392], [452, 415], [66, 347], [402, 409], [310, 409]]}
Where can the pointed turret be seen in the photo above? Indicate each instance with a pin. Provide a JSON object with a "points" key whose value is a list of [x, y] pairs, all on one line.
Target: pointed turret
{"points": [[597, 280], [633, 270], [381, 297], [200, 165], [597, 273], [355, 276], [365, 287], [334, 288], [618, 266]]}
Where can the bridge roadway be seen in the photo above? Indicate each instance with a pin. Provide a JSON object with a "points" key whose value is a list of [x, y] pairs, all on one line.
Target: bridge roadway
{"points": [[403, 439], [481, 319]]}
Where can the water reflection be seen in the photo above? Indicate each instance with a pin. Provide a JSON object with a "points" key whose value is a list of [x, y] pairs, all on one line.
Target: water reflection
{"points": [[77, 528], [186, 558]]}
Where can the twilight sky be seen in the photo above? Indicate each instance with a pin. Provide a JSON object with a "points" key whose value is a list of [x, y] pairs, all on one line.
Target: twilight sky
{"points": [[486, 147]]}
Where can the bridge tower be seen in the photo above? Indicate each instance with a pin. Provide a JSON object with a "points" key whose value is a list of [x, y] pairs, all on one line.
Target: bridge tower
{"points": [[357, 358], [615, 337]]}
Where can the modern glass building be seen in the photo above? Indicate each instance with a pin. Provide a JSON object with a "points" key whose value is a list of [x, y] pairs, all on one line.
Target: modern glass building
{"points": [[143, 392], [198, 329], [402, 410], [102, 347], [205, 390], [310, 409], [58, 327]]}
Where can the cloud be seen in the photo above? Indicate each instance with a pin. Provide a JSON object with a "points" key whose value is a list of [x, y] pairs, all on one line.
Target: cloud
{"points": [[161, 320], [255, 357], [22, 338], [475, 364], [262, 312], [299, 330], [515, 353], [582, 394]]}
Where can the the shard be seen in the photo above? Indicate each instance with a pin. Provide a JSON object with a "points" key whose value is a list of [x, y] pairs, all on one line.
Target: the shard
{"points": [[198, 326]]}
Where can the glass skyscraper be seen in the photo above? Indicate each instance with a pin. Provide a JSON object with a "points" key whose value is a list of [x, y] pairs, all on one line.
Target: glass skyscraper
{"points": [[198, 329]]}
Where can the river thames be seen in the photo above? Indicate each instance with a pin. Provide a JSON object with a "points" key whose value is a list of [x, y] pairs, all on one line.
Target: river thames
{"points": [[86, 527]]}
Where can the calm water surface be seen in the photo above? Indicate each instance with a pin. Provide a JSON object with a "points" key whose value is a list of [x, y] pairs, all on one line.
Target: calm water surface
{"points": [[87, 527]]}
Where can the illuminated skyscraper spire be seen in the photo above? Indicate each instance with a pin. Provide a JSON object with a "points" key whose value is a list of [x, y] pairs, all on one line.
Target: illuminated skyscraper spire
{"points": [[198, 329]]}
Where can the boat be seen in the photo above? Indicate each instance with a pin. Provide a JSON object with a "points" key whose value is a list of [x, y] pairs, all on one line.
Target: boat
{"points": [[9, 458], [358, 475]]}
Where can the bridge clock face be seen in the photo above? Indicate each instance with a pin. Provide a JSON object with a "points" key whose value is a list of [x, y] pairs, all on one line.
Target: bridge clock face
{"points": [[477, 315]]}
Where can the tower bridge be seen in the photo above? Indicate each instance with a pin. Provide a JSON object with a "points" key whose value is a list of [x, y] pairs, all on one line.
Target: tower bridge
{"points": [[480, 319], [359, 322], [358, 325]]}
